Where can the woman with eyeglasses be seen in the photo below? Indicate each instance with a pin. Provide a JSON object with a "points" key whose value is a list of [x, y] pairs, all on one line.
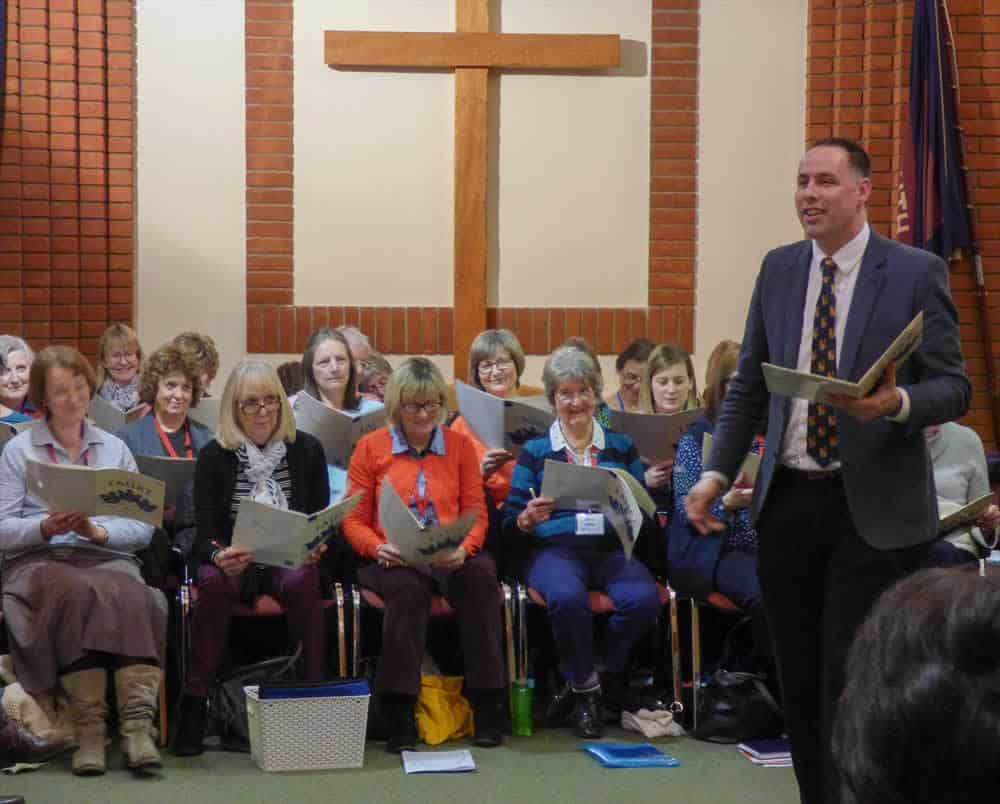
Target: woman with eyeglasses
{"points": [[15, 366], [256, 454], [576, 552], [119, 357], [496, 362], [630, 365], [329, 375], [435, 472]]}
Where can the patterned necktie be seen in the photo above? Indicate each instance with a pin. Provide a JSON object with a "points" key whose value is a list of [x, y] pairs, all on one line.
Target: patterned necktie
{"points": [[821, 432]]}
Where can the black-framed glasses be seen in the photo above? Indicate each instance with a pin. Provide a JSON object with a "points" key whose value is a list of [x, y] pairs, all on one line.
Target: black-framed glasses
{"points": [[268, 404], [413, 408]]}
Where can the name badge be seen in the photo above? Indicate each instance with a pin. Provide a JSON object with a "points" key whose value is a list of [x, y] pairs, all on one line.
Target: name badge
{"points": [[590, 524]]}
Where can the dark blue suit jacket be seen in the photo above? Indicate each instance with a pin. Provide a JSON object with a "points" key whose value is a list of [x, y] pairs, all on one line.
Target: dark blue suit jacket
{"points": [[887, 472]]}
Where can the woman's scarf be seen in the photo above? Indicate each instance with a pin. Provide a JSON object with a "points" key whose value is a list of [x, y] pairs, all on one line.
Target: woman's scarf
{"points": [[123, 397], [259, 465]]}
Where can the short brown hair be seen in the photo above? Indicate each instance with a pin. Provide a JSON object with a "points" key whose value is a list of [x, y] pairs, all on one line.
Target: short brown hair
{"points": [[169, 359], [721, 365], [65, 357], [116, 334], [486, 345], [202, 348]]}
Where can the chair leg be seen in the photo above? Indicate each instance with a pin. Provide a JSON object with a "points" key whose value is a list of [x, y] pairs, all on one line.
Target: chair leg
{"points": [[338, 589], [522, 629], [675, 649], [508, 621], [695, 659], [356, 630], [163, 714]]}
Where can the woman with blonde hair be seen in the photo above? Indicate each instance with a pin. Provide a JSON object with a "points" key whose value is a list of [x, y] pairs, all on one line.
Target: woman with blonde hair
{"points": [[119, 357], [256, 454], [434, 470]]}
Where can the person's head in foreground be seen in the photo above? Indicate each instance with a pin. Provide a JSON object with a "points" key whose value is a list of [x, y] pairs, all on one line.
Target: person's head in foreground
{"points": [[919, 720]]}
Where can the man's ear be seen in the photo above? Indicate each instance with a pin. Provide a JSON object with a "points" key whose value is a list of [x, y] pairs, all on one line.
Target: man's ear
{"points": [[864, 191]]}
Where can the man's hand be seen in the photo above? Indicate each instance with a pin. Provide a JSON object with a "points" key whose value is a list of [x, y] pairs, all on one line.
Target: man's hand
{"points": [[698, 503], [885, 400], [452, 561]]}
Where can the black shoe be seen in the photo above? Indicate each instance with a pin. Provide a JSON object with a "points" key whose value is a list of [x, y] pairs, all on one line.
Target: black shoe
{"points": [[17, 744], [190, 739], [11, 799], [586, 717], [560, 707], [489, 708], [397, 710], [614, 696]]}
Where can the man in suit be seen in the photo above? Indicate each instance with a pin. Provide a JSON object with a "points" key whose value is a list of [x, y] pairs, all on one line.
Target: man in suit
{"points": [[844, 502]]}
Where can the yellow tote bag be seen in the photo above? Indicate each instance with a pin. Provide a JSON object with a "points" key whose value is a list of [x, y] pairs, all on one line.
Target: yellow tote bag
{"points": [[442, 712]]}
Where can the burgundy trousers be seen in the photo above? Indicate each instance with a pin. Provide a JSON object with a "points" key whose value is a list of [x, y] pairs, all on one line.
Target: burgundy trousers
{"points": [[473, 592], [297, 590]]}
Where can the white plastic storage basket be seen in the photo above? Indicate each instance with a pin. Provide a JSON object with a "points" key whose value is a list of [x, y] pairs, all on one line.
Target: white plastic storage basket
{"points": [[307, 733]]}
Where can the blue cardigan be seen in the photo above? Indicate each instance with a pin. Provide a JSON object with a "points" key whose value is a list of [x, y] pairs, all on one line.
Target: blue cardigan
{"points": [[619, 452]]}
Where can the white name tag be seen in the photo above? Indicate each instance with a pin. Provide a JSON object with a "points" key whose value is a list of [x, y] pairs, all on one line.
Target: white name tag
{"points": [[590, 524]]}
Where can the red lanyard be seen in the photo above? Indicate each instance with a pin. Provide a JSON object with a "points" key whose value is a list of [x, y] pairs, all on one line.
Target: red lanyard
{"points": [[53, 458], [166, 441]]}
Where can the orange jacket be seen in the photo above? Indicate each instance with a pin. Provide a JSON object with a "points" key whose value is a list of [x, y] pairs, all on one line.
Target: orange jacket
{"points": [[454, 484], [499, 482]]}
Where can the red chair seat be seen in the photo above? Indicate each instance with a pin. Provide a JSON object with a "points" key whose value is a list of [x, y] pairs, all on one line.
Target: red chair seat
{"points": [[722, 603], [600, 603]]}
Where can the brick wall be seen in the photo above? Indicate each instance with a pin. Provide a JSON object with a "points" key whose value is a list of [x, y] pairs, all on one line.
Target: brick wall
{"points": [[67, 170], [858, 75], [275, 324]]}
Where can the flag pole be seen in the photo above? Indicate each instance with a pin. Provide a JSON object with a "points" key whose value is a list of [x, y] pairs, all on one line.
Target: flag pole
{"points": [[982, 292]]}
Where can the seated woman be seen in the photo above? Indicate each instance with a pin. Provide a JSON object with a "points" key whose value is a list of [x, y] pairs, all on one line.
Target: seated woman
{"points": [[257, 455], [631, 366], [329, 375], [202, 349], [74, 603], [960, 476], [723, 562], [434, 470], [668, 386], [601, 408], [171, 385], [496, 362], [373, 374], [572, 556], [118, 359], [15, 365]]}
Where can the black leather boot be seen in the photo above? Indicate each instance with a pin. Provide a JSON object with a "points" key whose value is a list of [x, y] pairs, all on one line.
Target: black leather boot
{"points": [[191, 726], [20, 745], [397, 711], [586, 717], [614, 696], [560, 706], [489, 708]]}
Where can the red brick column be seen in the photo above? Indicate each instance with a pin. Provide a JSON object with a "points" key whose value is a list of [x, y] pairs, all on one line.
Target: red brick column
{"points": [[67, 170]]}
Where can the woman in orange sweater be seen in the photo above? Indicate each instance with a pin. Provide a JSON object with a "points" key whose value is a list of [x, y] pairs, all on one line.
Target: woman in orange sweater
{"points": [[435, 472]]}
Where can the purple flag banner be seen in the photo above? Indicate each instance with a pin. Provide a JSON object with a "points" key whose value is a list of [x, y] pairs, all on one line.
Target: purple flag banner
{"points": [[932, 211]]}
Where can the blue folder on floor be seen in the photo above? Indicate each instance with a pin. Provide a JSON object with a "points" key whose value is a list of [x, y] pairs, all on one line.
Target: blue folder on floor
{"points": [[630, 755]]}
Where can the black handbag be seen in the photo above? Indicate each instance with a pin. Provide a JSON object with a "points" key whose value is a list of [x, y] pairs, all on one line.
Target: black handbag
{"points": [[735, 706]]}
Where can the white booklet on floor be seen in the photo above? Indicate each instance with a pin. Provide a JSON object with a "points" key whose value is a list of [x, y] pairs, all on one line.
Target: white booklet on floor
{"points": [[97, 492], [611, 491], [337, 431], [503, 423], [206, 413], [749, 467], [419, 543], [813, 387], [655, 434], [438, 761], [109, 418], [956, 516], [176, 473], [282, 538]]}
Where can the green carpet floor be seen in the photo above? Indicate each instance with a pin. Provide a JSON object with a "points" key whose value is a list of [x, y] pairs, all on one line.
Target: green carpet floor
{"points": [[547, 767]]}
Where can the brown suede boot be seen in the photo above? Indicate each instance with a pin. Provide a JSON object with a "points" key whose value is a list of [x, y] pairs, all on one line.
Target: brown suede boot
{"points": [[137, 687], [88, 703]]}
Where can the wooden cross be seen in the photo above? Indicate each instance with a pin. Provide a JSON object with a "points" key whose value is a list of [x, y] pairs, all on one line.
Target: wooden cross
{"points": [[471, 51]]}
